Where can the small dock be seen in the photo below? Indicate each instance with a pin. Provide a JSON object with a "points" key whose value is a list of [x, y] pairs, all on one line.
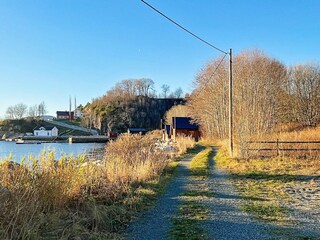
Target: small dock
{"points": [[74, 139]]}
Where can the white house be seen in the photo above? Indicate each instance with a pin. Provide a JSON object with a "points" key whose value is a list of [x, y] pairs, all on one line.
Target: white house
{"points": [[45, 131], [78, 113]]}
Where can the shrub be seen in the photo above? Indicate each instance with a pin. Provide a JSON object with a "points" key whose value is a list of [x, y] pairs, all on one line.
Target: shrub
{"points": [[184, 143], [39, 197]]}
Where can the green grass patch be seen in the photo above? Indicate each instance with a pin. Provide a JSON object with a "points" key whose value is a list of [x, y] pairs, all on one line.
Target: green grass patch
{"points": [[191, 152], [187, 224], [268, 176], [267, 211], [198, 193], [199, 165]]}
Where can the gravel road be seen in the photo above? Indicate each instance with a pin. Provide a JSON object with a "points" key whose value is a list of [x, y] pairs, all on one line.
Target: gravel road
{"points": [[226, 219]]}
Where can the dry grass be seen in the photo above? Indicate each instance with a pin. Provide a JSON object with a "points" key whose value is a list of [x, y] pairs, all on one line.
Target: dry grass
{"points": [[183, 143], [284, 134], [300, 134], [278, 165], [70, 198]]}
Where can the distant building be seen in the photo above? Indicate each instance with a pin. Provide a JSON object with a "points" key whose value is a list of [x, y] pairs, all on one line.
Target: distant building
{"points": [[47, 117], [45, 131], [65, 115], [185, 126], [137, 130], [78, 113]]}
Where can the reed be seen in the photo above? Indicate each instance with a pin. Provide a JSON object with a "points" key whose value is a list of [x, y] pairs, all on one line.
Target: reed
{"points": [[183, 143], [74, 198]]}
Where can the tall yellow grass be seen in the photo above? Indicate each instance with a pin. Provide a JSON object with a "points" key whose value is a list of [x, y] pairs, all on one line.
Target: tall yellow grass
{"points": [[72, 198], [293, 163], [285, 134], [184, 143], [296, 134]]}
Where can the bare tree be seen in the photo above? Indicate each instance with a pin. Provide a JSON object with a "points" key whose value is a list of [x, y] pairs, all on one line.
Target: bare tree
{"points": [[178, 93], [305, 81], [33, 111], [42, 109], [165, 90], [259, 84], [10, 114], [148, 86], [20, 110]]}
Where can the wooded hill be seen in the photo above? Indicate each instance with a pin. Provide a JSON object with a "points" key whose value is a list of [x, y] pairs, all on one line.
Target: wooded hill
{"points": [[130, 104]]}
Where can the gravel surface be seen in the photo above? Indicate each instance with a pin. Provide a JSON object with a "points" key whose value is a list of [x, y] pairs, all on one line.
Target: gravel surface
{"points": [[304, 206], [155, 223], [226, 219]]}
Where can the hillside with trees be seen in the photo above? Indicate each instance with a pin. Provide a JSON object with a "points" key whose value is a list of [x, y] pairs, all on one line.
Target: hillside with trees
{"points": [[130, 104]]}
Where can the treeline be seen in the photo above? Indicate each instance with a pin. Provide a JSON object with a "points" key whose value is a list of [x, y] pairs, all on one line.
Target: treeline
{"points": [[130, 104], [266, 94], [20, 110]]}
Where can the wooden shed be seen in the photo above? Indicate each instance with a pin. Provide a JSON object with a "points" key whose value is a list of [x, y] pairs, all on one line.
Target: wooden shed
{"points": [[185, 126]]}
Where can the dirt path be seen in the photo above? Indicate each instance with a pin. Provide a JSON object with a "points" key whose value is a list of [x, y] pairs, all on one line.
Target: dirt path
{"points": [[226, 220], [155, 223]]}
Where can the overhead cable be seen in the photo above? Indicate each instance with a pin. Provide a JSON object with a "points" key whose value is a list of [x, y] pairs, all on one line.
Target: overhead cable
{"points": [[183, 28]]}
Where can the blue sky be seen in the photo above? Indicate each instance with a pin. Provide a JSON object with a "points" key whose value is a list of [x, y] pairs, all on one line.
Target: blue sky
{"points": [[53, 49]]}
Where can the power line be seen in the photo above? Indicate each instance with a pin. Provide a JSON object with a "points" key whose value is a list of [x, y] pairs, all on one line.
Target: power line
{"points": [[183, 28], [230, 70], [216, 68], [214, 71]]}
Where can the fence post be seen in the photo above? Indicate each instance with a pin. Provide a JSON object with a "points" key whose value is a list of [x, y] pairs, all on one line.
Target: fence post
{"points": [[277, 147]]}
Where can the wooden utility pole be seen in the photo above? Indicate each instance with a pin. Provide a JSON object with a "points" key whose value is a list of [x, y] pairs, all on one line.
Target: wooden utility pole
{"points": [[230, 106], [70, 109]]}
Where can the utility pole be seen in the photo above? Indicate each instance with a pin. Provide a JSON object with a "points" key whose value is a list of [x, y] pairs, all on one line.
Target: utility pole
{"points": [[230, 69], [70, 108], [75, 108], [230, 106]]}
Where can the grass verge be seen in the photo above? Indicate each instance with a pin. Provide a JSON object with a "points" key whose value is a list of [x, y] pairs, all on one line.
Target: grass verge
{"points": [[187, 224], [260, 186], [199, 165]]}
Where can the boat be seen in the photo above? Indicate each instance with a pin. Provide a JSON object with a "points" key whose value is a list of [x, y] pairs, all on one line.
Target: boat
{"points": [[19, 141]]}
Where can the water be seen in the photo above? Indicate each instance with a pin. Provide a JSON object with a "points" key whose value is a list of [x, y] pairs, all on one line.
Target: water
{"points": [[24, 150]]}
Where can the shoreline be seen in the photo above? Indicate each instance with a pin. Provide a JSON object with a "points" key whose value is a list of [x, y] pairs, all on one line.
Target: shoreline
{"points": [[75, 139]]}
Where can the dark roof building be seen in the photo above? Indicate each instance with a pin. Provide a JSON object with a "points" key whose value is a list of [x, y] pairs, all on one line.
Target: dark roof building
{"points": [[184, 123], [137, 130], [47, 128], [185, 126]]}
